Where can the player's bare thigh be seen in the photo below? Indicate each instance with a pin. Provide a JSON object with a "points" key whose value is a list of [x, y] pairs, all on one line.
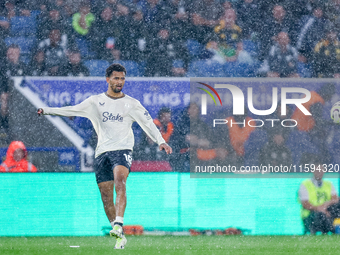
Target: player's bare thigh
{"points": [[106, 191], [106, 188], [120, 174]]}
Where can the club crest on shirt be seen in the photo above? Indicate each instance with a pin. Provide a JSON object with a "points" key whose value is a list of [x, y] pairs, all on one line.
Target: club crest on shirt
{"points": [[107, 116], [147, 115]]}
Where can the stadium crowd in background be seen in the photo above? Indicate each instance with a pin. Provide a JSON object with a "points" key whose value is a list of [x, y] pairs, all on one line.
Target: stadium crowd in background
{"points": [[258, 32], [16, 159]]}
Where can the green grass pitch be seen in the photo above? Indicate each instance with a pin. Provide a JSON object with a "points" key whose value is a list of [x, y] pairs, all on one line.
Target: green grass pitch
{"points": [[173, 245]]}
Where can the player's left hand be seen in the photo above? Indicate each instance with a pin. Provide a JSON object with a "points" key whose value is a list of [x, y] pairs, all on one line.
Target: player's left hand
{"points": [[166, 147], [40, 111]]}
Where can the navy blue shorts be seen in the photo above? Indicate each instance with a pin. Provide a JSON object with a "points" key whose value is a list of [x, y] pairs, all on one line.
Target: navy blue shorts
{"points": [[107, 161]]}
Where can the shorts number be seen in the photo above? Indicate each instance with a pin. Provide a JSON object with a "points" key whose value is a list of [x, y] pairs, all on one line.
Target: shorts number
{"points": [[128, 158]]}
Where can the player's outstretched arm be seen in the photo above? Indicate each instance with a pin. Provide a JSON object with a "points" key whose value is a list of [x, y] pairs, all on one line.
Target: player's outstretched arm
{"points": [[84, 109], [166, 147]]}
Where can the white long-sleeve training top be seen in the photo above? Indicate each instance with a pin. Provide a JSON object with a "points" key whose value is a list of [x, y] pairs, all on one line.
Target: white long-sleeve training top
{"points": [[112, 120]]}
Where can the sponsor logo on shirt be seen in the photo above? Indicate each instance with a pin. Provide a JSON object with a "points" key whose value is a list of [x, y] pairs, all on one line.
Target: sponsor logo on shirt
{"points": [[147, 115], [107, 116]]}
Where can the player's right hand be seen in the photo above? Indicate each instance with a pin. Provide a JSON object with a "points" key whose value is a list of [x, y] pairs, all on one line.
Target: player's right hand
{"points": [[40, 111], [166, 147]]}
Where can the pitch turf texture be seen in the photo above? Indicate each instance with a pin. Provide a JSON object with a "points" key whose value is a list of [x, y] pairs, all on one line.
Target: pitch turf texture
{"points": [[173, 245]]}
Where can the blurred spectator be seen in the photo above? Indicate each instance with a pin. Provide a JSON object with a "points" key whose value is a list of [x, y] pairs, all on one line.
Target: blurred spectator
{"points": [[24, 8], [75, 66], [4, 89], [53, 19], [3, 49], [55, 52], [311, 32], [153, 12], [113, 55], [271, 27], [105, 33], [226, 42], [315, 124], [181, 26], [275, 152], [132, 42], [179, 68], [249, 16], [238, 134], [317, 197], [4, 29], [332, 10], [37, 66], [14, 67], [164, 124], [162, 52], [279, 129], [221, 139], [56, 39], [147, 149], [66, 8], [283, 58], [58, 3], [133, 33], [16, 159], [10, 10], [326, 62], [99, 5], [298, 8], [206, 14], [82, 20], [192, 140]]}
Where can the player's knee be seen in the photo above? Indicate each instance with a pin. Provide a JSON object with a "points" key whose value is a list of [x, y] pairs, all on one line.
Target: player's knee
{"points": [[120, 185]]}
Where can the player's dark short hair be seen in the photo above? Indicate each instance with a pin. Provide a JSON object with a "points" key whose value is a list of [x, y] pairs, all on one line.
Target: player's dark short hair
{"points": [[115, 68]]}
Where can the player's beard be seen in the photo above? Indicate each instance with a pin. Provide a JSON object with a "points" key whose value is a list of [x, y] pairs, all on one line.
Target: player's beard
{"points": [[115, 89]]}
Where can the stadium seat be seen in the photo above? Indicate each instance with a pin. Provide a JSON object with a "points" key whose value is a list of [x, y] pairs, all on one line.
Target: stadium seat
{"points": [[243, 70], [96, 67], [25, 43], [23, 26], [205, 68], [304, 70], [25, 58], [253, 145], [229, 69], [191, 70], [194, 48], [84, 48], [35, 13], [141, 68], [250, 47], [132, 67]]}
